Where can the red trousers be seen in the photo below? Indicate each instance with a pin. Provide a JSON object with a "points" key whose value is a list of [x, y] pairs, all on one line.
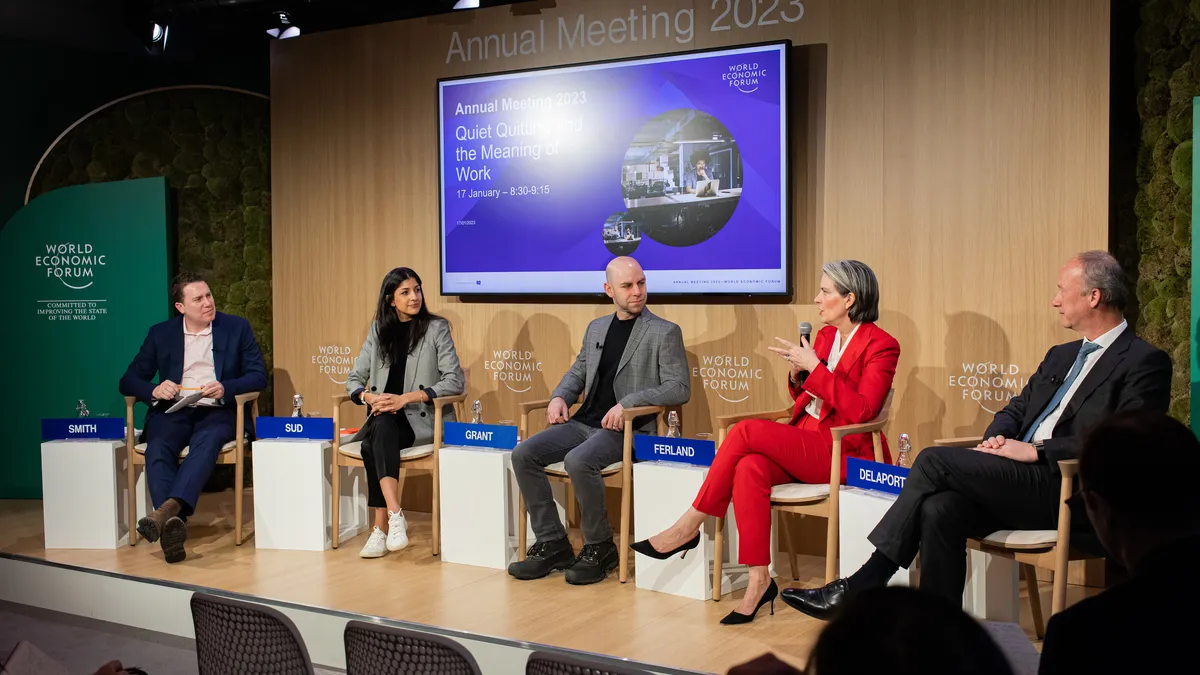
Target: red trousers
{"points": [[756, 455]]}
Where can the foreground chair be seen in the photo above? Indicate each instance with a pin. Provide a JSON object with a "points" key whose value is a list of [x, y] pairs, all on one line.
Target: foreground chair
{"points": [[241, 638], [372, 649], [545, 663], [1031, 549], [618, 475], [802, 498], [233, 452], [419, 457]]}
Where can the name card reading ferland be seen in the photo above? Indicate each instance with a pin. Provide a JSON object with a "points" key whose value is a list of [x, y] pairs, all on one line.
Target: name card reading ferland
{"points": [[682, 450]]}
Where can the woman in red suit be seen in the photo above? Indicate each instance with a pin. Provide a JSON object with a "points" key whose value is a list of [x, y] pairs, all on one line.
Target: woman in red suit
{"points": [[843, 378]]}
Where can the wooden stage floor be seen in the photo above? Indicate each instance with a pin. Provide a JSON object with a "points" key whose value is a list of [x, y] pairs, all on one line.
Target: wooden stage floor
{"points": [[607, 618]]}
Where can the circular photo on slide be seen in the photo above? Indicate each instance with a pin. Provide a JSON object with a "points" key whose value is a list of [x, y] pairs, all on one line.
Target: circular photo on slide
{"points": [[682, 177], [621, 234]]}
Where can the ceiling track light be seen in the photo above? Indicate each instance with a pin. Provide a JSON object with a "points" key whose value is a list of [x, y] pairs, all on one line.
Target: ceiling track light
{"points": [[282, 26]]}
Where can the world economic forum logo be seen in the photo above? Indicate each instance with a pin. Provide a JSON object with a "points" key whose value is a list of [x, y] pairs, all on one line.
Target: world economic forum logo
{"points": [[744, 76], [334, 361], [72, 264], [730, 376], [514, 368], [990, 385]]}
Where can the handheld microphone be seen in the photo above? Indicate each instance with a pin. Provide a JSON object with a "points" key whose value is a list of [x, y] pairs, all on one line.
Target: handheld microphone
{"points": [[806, 335]]}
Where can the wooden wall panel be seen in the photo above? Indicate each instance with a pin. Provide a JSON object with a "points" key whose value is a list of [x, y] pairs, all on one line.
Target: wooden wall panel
{"points": [[959, 147]]}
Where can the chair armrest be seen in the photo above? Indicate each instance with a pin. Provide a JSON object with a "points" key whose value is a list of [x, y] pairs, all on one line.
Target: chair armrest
{"points": [[638, 411], [841, 432], [243, 399], [339, 399], [440, 401], [1069, 469], [725, 421], [963, 442], [530, 406]]}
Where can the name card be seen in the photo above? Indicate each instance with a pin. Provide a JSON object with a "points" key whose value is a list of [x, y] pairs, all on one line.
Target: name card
{"points": [[310, 428], [495, 436], [83, 428], [875, 476], [682, 450]]}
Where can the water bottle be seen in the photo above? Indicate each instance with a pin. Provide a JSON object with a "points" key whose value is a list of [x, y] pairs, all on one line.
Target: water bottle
{"points": [[477, 412], [297, 406], [673, 424], [905, 447]]}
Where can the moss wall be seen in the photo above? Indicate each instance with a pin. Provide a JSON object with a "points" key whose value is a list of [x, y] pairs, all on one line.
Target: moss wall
{"points": [[213, 145], [1168, 45]]}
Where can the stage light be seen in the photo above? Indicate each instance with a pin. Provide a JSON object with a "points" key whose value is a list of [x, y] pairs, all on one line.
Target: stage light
{"points": [[282, 26], [158, 38], [466, 4]]}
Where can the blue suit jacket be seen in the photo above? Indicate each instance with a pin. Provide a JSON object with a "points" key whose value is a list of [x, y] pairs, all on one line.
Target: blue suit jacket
{"points": [[237, 359]]}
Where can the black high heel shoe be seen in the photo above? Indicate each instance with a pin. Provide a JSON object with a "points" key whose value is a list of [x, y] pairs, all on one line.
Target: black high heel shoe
{"points": [[646, 549], [735, 617]]}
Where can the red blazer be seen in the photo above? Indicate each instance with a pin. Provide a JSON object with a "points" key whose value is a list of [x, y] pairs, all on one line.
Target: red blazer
{"points": [[854, 392]]}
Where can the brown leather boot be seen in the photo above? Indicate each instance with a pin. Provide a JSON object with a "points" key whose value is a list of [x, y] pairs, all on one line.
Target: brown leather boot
{"points": [[151, 526]]}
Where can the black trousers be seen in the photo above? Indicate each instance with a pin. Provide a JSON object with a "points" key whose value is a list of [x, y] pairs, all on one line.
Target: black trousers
{"points": [[953, 494], [385, 436]]}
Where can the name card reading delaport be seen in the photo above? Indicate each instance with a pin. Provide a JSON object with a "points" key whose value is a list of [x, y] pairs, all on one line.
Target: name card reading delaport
{"points": [[682, 450], [304, 428], [495, 436], [875, 476], [83, 428]]}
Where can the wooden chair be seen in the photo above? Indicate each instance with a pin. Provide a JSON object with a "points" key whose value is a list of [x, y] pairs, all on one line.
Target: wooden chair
{"points": [[418, 457], [233, 452], [802, 498], [1031, 549], [618, 475]]}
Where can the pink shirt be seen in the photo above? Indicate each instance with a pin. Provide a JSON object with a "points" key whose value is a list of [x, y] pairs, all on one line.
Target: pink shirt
{"points": [[199, 368]]}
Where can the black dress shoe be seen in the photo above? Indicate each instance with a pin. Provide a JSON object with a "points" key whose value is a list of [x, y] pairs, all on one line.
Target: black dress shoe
{"points": [[645, 548], [819, 603], [594, 563], [735, 617], [543, 558], [174, 534]]}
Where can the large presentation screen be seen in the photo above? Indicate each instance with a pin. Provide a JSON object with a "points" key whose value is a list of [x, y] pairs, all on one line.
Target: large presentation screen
{"points": [[679, 161]]}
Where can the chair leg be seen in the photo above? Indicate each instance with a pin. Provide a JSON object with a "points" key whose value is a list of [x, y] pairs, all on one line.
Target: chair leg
{"points": [[521, 525], [238, 475], [437, 513], [1035, 599], [1058, 600], [131, 496], [335, 480], [831, 548], [718, 557], [785, 527], [572, 507], [623, 547]]}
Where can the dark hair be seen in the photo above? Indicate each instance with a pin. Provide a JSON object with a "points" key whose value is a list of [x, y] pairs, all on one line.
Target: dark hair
{"points": [[387, 323], [1113, 465], [904, 631], [181, 281]]}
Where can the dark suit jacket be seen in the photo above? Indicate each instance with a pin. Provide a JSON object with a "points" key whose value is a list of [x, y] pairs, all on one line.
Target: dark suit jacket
{"points": [[236, 357], [1145, 625], [1130, 375]]}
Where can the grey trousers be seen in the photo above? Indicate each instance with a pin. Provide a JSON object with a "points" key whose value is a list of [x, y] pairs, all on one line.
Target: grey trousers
{"points": [[585, 451]]}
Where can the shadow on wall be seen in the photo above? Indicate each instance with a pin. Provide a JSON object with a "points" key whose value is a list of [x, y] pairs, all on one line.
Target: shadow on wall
{"points": [[213, 146]]}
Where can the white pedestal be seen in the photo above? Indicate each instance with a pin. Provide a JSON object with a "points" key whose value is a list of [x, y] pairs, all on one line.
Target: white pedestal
{"points": [[859, 511], [83, 496], [663, 492], [478, 497], [991, 591], [293, 496]]}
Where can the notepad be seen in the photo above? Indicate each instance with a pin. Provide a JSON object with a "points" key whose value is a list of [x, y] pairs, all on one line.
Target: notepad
{"points": [[186, 401]]}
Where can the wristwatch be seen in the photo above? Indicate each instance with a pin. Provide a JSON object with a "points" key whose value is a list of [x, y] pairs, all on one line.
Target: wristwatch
{"points": [[1040, 447]]}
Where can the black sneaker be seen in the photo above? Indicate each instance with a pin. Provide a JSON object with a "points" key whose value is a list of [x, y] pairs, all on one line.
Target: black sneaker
{"points": [[543, 558], [594, 562]]}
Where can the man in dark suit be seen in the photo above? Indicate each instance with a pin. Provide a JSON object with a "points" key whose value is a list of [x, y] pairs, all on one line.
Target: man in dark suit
{"points": [[201, 351], [1011, 480], [1147, 515]]}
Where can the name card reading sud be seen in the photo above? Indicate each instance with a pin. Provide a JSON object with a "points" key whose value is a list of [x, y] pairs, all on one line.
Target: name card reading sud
{"points": [[682, 450], [494, 436], [300, 428], [875, 476], [77, 429]]}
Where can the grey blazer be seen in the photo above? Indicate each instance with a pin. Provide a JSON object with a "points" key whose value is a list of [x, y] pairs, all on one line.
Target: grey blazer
{"points": [[432, 363], [652, 369]]}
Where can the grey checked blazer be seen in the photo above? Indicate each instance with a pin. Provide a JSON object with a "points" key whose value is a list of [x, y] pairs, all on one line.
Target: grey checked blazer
{"points": [[652, 369], [432, 364]]}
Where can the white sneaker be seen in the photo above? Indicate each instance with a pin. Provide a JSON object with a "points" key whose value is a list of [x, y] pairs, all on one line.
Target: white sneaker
{"points": [[375, 547], [397, 536]]}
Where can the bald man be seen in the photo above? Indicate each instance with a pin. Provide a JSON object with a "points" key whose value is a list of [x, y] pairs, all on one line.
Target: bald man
{"points": [[629, 358]]}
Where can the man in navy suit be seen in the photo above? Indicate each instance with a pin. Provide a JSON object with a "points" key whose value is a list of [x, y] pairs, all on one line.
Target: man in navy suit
{"points": [[201, 351]]}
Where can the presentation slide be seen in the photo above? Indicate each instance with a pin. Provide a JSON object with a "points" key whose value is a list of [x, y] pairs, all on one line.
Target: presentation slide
{"points": [[679, 161]]}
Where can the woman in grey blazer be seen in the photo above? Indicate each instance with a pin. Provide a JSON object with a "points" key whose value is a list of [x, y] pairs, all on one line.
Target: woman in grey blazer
{"points": [[407, 360]]}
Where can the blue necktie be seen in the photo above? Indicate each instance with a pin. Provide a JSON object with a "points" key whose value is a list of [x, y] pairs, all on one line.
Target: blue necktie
{"points": [[1087, 348]]}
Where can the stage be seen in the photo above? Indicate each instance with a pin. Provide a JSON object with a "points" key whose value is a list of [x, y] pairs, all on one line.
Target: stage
{"points": [[412, 586]]}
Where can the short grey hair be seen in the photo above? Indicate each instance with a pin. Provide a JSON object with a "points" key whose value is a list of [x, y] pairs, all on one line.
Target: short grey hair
{"points": [[852, 276], [1102, 272]]}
